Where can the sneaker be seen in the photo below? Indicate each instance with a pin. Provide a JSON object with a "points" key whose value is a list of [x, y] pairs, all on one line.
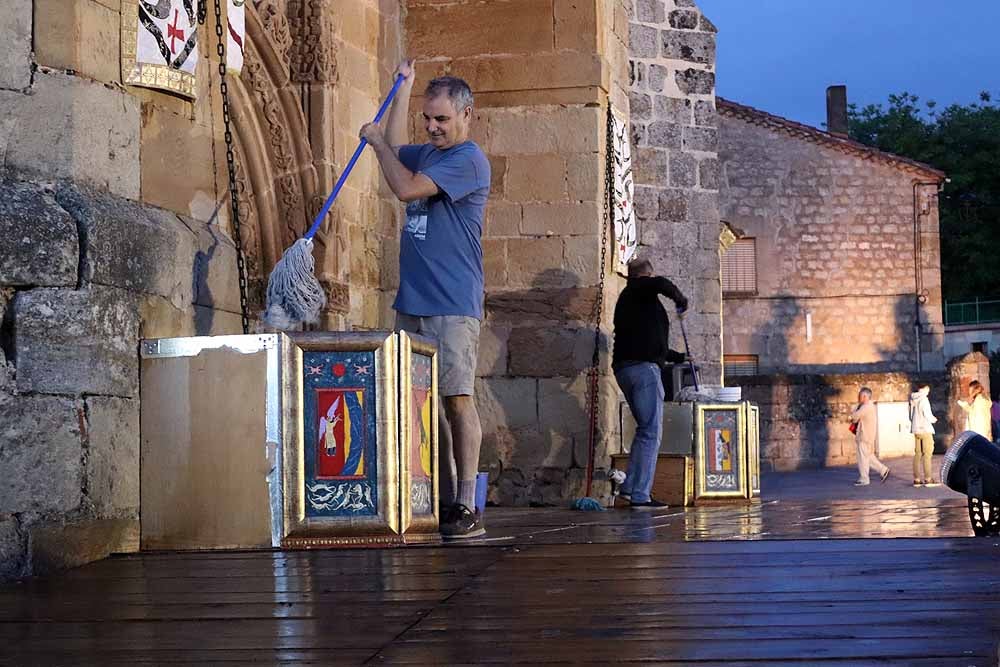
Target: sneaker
{"points": [[651, 504], [462, 523], [884, 476], [918, 482], [933, 482], [860, 483]]}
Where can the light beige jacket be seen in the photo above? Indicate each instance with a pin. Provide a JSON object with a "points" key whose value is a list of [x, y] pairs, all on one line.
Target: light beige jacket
{"points": [[867, 420]]}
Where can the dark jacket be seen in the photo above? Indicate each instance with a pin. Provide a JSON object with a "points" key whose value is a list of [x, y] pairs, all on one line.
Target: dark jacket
{"points": [[642, 330]]}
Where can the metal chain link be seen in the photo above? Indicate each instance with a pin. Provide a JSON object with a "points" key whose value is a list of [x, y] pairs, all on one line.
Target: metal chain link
{"points": [[230, 159], [595, 362]]}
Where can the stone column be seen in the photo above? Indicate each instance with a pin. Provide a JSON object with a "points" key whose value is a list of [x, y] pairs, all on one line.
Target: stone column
{"points": [[962, 371], [672, 50]]}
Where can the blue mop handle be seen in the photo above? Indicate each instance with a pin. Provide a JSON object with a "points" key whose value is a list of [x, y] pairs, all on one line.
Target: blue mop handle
{"points": [[687, 351], [350, 165]]}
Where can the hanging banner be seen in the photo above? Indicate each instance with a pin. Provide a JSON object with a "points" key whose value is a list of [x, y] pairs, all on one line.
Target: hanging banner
{"points": [[236, 14], [626, 241], [160, 44]]}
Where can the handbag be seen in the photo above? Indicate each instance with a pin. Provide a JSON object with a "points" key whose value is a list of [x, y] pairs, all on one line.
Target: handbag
{"points": [[853, 428]]}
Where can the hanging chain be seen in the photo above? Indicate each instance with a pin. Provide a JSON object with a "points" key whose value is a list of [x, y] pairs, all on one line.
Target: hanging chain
{"points": [[230, 159], [595, 362]]}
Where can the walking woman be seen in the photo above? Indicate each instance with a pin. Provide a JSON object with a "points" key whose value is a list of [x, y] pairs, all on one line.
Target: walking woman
{"points": [[977, 410]]}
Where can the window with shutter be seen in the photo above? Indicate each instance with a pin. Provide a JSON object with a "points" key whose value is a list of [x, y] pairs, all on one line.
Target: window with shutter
{"points": [[739, 268], [739, 364]]}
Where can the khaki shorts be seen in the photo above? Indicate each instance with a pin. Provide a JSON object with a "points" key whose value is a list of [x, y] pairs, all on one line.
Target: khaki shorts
{"points": [[458, 348]]}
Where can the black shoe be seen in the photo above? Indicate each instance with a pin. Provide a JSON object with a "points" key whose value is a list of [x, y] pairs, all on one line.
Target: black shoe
{"points": [[462, 523], [651, 504]]}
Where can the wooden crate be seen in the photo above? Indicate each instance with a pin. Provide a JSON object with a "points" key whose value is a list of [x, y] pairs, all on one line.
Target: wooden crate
{"points": [[673, 482]]}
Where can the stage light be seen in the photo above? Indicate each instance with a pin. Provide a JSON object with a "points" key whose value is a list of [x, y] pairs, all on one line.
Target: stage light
{"points": [[972, 466]]}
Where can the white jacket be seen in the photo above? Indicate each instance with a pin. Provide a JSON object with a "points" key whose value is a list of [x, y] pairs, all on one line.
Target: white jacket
{"points": [[978, 416], [921, 418]]}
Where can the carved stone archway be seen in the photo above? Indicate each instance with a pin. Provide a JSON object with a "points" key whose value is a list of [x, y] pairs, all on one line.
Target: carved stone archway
{"points": [[277, 177]]}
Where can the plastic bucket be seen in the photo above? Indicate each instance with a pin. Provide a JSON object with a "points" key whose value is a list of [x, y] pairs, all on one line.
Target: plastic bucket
{"points": [[482, 485]]}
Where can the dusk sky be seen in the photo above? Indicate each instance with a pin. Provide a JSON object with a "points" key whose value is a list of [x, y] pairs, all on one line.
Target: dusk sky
{"points": [[780, 55]]}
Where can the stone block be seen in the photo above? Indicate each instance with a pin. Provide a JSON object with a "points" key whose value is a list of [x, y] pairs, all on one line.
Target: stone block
{"points": [[542, 305], [708, 174], [77, 342], [498, 176], [57, 546], [650, 11], [41, 445], [502, 219], [657, 77], [583, 258], [584, 176], [683, 19], [39, 246], [517, 26], [672, 110], [706, 25], [83, 36], [15, 57], [640, 106], [549, 352], [695, 81], [643, 41], [705, 114], [662, 134], [50, 135], [646, 202], [683, 170], [673, 205], [694, 47], [560, 219], [492, 360], [701, 139], [537, 263], [536, 178], [132, 246], [576, 25], [509, 403], [704, 206], [495, 262], [178, 169], [13, 548], [113, 455], [216, 281], [539, 71], [650, 166]]}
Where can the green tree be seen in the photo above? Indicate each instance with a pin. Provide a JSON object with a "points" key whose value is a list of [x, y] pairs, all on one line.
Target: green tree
{"points": [[964, 142]]}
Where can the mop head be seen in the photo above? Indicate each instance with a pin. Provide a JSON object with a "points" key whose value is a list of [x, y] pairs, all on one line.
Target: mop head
{"points": [[587, 505], [294, 295]]}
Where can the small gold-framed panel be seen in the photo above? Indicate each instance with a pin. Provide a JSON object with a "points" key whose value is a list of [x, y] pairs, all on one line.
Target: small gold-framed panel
{"points": [[341, 475], [418, 438], [720, 450], [753, 450]]}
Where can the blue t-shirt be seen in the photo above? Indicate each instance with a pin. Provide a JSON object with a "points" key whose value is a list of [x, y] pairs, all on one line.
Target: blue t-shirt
{"points": [[440, 252]]}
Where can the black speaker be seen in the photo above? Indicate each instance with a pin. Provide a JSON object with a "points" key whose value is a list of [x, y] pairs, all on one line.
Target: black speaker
{"points": [[972, 466]]}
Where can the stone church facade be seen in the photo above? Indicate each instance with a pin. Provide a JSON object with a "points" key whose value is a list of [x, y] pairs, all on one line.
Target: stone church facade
{"points": [[114, 223]]}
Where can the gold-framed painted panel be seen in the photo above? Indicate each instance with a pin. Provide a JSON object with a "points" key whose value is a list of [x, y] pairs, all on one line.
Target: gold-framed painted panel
{"points": [[418, 438], [753, 450], [720, 450], [341, 474], [137, 71]]}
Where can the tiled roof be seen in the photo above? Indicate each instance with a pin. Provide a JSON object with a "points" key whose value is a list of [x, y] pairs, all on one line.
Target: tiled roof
{"points": [[817, 136]]}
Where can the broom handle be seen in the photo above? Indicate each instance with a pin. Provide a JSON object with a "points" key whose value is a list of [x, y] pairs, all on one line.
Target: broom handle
{"points": [[350, 165], [687, 351]]}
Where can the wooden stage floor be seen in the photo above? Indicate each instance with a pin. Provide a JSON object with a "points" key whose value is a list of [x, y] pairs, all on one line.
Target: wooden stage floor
{"points": [[763, 585]]}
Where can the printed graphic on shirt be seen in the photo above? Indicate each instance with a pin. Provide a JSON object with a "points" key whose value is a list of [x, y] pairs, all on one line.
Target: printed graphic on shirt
{"points": [[416, 218]]}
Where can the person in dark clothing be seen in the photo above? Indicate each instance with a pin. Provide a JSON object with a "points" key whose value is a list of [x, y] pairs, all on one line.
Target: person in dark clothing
{"points": [[641, 349]]}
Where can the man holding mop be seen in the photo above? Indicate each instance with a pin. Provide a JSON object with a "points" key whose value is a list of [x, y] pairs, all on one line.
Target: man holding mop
{"points": [[444, 183]]}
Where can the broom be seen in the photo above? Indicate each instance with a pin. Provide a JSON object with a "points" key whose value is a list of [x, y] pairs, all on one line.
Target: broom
{"points": [[294, 295]]}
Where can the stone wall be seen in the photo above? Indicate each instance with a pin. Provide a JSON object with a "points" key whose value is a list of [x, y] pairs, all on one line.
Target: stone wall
{"points": [[804, 418], [542, 72], [674, 123], [835, 243]]}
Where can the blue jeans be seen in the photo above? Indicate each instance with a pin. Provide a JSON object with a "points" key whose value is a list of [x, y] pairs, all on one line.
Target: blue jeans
{"points": [[643, 390]]}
